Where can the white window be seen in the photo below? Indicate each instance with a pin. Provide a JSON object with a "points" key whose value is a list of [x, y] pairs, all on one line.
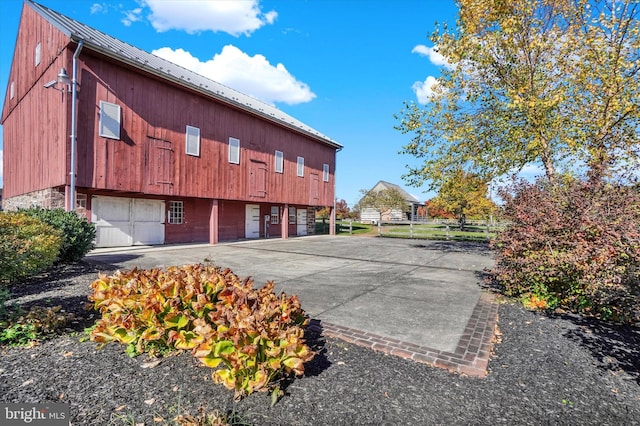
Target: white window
{"points": [[193, 141], [300, 166], [176, 212], [109, 120], [275, 215], [234, 150], [38, 53], [292, 215], [325, 172], [279, 167], [81, 201]]}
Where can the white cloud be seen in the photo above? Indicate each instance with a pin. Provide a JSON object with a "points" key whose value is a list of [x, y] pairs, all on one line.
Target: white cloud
{"points": [[432, 53], [131, 16], [98, 8], [425, 89], [252, 75], [192, 16]]}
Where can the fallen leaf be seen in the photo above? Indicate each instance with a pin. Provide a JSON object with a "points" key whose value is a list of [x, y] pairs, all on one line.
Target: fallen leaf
{"points": [[61, 396], [340, 363], [175, 388], [67, 354], [150, 401], [120, 408], [151, 364], [28, 382], [158, 419]]}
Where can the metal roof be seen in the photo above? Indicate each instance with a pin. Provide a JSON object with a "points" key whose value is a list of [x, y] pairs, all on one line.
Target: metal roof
{"points": [[112, 47], [382, 185]]}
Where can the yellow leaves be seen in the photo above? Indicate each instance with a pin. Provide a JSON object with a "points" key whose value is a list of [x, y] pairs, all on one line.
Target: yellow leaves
{"points": [[294, 364], [253, 334]]}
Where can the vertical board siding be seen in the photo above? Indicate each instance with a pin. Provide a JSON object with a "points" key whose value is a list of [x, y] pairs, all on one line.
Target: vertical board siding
{"points": [[231, 220], [153, 109], [195, 228], [149, 160], [35, 121]]}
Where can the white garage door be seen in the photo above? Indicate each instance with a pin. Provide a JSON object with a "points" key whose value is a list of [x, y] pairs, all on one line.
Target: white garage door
{"points": [[127, 221]]}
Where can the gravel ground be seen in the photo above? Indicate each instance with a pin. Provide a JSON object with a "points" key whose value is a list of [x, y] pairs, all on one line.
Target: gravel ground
{"points": [[544, 369]]}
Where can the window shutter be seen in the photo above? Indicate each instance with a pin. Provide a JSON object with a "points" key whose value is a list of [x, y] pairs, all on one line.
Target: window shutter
{"points": [[193, 141], [109, 120]]}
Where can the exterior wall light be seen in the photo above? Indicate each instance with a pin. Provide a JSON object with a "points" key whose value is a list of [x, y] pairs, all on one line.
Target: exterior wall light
{"points": [[63, 79]]}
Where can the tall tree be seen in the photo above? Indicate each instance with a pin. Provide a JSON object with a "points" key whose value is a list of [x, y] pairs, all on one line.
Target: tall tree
{"points": [[342, 209], [530, 81], [464, 195], [387, 199]]}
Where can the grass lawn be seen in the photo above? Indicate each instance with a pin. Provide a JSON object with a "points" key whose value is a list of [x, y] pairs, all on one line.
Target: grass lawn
{"points": [[436, 231]]}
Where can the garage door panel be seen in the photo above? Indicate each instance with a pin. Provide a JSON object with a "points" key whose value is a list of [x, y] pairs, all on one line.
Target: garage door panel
{"points": [[148, 211], [148, 222], [127, 221], [113, 236]]}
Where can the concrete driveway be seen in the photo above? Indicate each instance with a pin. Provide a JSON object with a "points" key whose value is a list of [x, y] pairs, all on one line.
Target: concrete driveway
{"points": [[417, 299]]}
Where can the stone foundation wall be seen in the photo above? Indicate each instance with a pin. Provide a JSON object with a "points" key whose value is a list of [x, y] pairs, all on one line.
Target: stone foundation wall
{"points": [[50, 198], [311, 221]]}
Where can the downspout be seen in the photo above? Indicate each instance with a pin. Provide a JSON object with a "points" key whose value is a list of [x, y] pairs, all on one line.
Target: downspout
{"points": [[74, 125], [333, 220]]}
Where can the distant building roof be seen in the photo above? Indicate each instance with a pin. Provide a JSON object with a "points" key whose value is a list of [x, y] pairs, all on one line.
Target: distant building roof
{"points": [[107, 45], [382, 185]]}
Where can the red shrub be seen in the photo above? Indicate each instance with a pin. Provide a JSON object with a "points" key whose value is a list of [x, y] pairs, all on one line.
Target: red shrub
{"points": [[575, 245]]}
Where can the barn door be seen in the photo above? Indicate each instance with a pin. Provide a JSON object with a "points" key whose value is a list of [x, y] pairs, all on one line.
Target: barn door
{"points": [[252, 221], [122, 222], [314, 195], [112, 219], [160, 165], [148, 221], [257, 179]]}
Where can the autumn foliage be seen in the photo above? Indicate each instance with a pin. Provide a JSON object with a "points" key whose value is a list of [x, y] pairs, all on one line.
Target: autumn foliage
{"points": [[574, 246], [251, 336]]}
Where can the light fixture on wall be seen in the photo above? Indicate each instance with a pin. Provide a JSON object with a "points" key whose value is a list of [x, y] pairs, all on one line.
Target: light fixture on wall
{"points": [[63, 79], [72, 86]]}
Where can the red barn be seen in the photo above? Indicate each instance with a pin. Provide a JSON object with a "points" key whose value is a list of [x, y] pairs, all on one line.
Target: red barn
{"points": [[151, 152]]}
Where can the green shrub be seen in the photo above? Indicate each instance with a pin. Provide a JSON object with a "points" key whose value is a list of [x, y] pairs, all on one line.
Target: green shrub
{"points": [[255, 337], [18, 327], [574, 245], [78, 234], [27, 246]]}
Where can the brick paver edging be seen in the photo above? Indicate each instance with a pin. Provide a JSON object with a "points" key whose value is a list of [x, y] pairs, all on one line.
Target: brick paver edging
{"points": [[470, 357]]}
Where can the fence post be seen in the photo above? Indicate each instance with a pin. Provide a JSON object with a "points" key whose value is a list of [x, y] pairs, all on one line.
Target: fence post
{"points": [[447, 232], [411, 230], [488, 230], [379, 229], [350, 226]]}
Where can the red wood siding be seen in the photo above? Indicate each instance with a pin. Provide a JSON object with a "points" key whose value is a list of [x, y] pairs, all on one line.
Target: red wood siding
{"points": [[35, 121], [154, 113], [149, 160], [231, 220], [195, 228]]}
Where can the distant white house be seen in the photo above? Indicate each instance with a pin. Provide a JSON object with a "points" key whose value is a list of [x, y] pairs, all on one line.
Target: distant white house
{"points": [[374, 215]]}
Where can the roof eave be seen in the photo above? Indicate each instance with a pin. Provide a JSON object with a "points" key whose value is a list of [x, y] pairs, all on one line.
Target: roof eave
{"points": [[165, 76]]}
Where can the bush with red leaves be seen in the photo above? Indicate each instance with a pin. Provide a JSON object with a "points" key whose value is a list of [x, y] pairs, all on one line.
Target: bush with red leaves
{"points": [[573, 245]]}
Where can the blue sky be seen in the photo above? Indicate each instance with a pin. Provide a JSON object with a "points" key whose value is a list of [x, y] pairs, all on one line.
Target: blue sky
{"points": [[343, 67]]}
